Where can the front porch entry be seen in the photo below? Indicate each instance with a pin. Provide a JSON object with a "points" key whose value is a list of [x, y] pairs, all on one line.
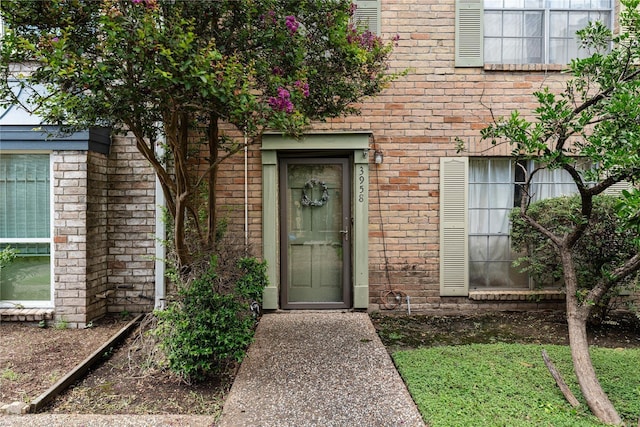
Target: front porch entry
{"points": [[315, 224], [315, 221]]}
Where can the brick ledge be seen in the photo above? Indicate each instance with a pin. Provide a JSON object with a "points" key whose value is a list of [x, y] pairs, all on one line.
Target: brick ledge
{"points": [[25, 314], [525, 67], [516, 295]]}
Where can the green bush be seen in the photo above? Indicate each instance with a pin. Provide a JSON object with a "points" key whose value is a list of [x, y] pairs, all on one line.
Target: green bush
{"points": [[7, 255], [210, 325], [606, 244]]}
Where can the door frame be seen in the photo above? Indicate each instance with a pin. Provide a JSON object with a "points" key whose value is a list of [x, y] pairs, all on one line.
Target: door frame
{"points": [[346, 215], [353, 145]]}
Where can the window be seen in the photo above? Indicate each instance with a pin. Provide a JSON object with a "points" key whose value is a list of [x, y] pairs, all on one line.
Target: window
{"points": [[494, 190], [524, 31], [25, 225]]}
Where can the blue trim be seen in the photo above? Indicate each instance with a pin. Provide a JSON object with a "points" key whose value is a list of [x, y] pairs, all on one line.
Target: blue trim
{"points": [[29, 137]]}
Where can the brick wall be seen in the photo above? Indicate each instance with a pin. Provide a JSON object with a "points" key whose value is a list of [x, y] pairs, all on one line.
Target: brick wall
{"points": [[76, 271], [97, 244], [130, 229], [230, 197], [69, 240], [415, 122]]}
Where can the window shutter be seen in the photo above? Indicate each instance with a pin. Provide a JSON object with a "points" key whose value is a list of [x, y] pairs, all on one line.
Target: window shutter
{"points": [[367, 15], [469, 33], [454, 248], [616, 189]]}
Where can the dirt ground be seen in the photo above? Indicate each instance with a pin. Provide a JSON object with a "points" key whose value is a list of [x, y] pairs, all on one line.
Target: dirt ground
{"points": [[406, 332], [31, 359], [135, 380]]}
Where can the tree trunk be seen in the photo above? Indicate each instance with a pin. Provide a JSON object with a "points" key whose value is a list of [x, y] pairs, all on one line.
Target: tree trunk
{"points": [[590, 387], [577, 315], [180, 146]]}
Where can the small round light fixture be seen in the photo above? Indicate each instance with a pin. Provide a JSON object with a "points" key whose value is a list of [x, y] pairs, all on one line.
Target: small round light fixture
{"points": [[378, 157]]}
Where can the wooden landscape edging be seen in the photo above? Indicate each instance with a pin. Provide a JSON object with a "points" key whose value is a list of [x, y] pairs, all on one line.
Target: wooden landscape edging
{"points": [[82, 368]]}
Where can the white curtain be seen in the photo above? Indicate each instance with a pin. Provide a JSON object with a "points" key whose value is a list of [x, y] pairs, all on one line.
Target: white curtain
{"points": [[491, 198], [551, 183], [492, 189]]}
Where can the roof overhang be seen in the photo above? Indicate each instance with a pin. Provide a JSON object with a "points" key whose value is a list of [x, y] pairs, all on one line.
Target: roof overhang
{"points": [[29, 137]]}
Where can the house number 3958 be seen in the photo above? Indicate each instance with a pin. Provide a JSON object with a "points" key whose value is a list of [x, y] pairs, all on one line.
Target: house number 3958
{"points": [[361, 188]]}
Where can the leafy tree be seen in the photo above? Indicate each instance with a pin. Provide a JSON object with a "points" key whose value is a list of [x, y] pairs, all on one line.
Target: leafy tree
{"points": [[595, 118], [606, 244], [201, 73]]}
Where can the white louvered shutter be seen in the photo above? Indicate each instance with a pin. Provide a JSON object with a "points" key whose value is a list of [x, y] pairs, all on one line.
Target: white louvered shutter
{"points": [[616, 189], [454, 248], [368, 15], [469, 33]]}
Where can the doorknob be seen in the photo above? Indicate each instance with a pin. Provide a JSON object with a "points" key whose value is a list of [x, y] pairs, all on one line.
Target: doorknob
{"points": [[345, 233]]}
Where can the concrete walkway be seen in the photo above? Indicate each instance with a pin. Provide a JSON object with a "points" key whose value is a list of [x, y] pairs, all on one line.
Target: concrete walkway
{"points": [[305, 368], [324, 368]]}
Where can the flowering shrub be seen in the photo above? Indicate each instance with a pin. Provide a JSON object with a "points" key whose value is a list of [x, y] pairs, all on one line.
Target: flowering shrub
{"points": [[152, 67]]}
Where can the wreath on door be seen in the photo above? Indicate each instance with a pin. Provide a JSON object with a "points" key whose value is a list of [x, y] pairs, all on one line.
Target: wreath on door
{"points": [[308, 189]]}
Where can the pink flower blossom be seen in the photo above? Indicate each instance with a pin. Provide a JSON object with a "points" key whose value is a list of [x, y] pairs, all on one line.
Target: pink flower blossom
{"points": [[304, 88], [291, 23], [282, 102], [150, 4], [367, 39]]}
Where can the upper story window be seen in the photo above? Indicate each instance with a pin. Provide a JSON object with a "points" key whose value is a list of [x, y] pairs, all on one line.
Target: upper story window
{"points": [[524, 31], [538, 31]]}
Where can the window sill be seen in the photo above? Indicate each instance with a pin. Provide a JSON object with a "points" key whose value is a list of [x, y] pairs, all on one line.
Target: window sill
{"points": [[516, 295], [525, 67], [25, 314]]}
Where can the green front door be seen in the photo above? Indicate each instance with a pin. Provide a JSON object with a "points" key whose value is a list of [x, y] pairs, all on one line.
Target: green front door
{"points": [[315, 233]]}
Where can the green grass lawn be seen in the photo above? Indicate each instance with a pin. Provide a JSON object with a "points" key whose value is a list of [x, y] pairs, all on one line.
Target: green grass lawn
{"points": [[509, 385]]}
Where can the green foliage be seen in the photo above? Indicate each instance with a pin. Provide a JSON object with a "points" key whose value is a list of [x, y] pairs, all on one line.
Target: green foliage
{"points": [[184, 68], [7, 255], [210, 326], [606, 244], [9, 374], [62, 324], [628, 210], [509, 385], [595, 119]]}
